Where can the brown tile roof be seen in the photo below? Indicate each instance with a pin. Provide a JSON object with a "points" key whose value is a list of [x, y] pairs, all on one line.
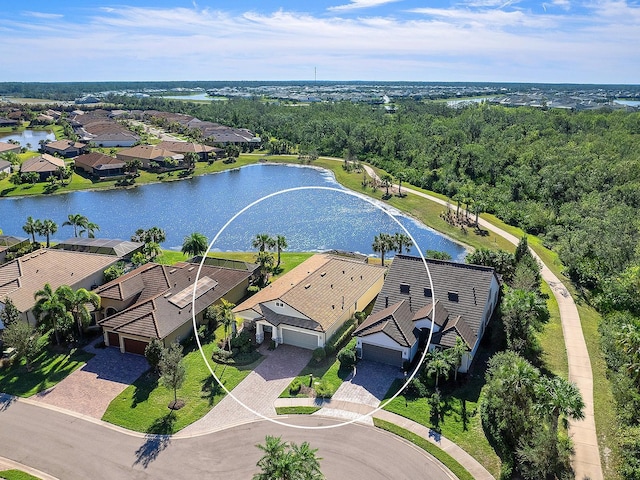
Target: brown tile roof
{"points": [[145, 152], [184, 147], [41, 164], [320, 288], [9, 147], [65, 144], [98, 161], [163, 296], [22, 277]]}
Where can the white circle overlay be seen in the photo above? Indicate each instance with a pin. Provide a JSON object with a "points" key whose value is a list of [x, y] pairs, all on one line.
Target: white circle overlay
{"points": [[195, 327]]}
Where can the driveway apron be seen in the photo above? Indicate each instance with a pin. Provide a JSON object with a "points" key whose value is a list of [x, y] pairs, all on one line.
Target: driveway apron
{"points": [[90, 389], [258, 391]]}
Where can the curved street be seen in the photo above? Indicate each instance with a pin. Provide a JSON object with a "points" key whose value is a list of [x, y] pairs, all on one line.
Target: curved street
{"points": [[586, 461], [71, 448]]}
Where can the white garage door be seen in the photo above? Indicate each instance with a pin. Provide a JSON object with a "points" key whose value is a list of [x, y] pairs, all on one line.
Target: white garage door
{"points": [[299, 339], [378, 354]]}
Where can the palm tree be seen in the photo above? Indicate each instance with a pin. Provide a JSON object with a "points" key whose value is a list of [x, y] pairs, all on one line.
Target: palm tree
{"points": [[439, 365], [265, 262], [89, 229], [263, 241], [151, 250], [51, 311], [281, 244], [132, 166], [401, 176], [223, 313], [284, 461], [457, 352], [382, 243], [401, 241], [76, 220], [195, 244], [47, 228], [31, 228], [76, 302], [387, 181], [190, 159]]}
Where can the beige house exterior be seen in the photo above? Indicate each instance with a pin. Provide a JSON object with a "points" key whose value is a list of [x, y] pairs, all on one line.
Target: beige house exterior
{"points": [[309, 304]]}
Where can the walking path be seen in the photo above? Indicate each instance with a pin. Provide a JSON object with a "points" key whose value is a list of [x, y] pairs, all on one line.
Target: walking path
{"points": [[586, 460]]}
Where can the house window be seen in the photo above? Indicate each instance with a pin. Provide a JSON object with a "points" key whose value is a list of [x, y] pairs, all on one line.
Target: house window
{"points": [[404, 288], [428, 292], [453, 296]]}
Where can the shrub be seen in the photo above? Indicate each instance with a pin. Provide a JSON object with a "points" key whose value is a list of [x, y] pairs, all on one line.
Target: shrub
{"points": [[319, 354], [153, 353], [295, 387], [347, 357], [322, 390], [242, 342], [339, 338], [220, 356]]}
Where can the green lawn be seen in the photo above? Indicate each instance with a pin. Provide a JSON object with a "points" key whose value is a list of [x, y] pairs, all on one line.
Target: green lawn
{"points": [[461, 421], [554, 351], [17, 475], [450, 462], [49, 369], [296, 410], [143, 406]]}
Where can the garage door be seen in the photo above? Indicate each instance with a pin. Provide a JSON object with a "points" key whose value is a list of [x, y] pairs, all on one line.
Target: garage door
{"points": [[114, 339], [299, 339], [134, 346], [378, 354]]}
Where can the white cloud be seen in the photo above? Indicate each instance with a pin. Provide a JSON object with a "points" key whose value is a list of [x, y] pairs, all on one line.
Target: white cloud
{"points": [[357, 4], [47, 16]]}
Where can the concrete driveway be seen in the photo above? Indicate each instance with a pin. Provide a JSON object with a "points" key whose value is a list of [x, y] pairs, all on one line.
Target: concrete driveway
{"points": [[90, 389], [367, 385], [259, 390]]}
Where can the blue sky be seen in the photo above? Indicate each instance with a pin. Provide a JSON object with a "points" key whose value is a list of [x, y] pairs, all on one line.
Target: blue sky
{"points": [[555, 41]]}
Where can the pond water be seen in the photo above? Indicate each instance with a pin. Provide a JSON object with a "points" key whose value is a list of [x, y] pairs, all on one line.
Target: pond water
{"points": [[631, 103], [29, 139], [311, 220], [195, 96]]}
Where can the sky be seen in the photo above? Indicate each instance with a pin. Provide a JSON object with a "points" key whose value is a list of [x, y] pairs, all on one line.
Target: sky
{"points": [[550, 41]]}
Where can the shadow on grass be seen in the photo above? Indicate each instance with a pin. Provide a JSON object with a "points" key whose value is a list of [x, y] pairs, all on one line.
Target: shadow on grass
{"points": [[146, 384], [210, 388], [7, 191]]}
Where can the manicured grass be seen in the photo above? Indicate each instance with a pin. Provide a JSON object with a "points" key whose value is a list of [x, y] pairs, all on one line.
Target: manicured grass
{"points": [[554, 351], [48, 369], [296, 410], [17, 475], [143, 406], [450, 462], [327, 371], [461, 421]]}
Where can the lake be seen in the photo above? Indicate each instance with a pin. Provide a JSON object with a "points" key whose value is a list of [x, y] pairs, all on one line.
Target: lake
{"points": [[29, 139], [311, 220]]}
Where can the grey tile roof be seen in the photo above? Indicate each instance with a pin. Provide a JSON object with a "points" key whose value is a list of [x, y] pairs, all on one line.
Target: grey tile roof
{"points": [[396, 321], [460, 290]]}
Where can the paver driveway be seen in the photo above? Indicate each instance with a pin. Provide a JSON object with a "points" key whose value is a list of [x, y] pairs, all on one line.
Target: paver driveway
{"points": [[90, 389], [259, 390]]}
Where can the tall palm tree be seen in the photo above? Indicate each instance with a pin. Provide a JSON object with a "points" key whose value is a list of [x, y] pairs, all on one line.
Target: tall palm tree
{"points": [[281, 244], [30, 228], [195, 244], [151, 250], [402, 241], [382, 244], [75, 220], [263, 241], [265, 262], [387, 181], [47, 228], [556, 397], [284, 461], [90, 229], [51, 311], [223, 313], [439, 365], [457, 352], [77, 303]]}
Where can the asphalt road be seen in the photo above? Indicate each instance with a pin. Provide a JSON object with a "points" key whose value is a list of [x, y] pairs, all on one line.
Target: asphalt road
{"points": [[72, 448]]}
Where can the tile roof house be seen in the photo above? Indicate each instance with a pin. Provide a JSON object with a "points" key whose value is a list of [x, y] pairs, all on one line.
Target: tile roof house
{"points": [[204, 151], [5, 166], [460, 305], [22, 277], [10, 243], [44, 165], [155, 301], [100, 165], [311, 302], [65, 148], [147, 154], [9, 147]]}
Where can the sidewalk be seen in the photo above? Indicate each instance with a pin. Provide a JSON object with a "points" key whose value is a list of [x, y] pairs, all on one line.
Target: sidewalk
{"points": [[467, 461]]}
